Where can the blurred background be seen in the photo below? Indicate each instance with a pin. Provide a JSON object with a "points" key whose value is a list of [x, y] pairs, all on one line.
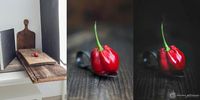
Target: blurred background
{"points": [[83, 13]]}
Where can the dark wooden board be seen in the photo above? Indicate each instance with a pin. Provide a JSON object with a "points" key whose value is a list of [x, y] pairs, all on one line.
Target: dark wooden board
{"points": [[25, 38], [42, 59], [7, 47], [84, 85], [43, 73]]}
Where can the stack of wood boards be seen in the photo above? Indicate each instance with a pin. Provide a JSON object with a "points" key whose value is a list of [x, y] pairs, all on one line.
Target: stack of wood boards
{"points": [[42, 68]]}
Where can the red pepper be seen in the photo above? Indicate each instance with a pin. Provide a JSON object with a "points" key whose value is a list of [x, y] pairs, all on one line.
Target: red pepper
{"points": [[35, 54], [171, 58], [104, 60]]}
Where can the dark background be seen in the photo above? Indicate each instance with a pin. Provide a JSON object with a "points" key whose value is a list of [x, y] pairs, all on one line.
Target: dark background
{"points": [[182, 24], [82, 14]]}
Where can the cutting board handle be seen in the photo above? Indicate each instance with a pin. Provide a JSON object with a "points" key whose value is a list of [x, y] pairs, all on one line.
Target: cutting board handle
{"points": [[26, 24]]}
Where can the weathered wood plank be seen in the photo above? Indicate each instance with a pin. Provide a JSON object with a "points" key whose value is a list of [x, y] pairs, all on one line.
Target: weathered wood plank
{"points": [[28, 70], [42, 58], [43, 73]]}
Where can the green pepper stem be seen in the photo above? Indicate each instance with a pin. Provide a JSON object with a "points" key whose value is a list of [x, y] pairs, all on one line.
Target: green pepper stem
{"points": [[97, 39], [163, 37]]}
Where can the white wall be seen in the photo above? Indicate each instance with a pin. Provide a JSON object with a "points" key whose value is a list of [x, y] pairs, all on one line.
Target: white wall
{"points": [[63, 29], [13, 12]]}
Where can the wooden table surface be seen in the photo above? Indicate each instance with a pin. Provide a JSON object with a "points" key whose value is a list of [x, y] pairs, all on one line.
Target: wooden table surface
{"points": [[84, 85]]}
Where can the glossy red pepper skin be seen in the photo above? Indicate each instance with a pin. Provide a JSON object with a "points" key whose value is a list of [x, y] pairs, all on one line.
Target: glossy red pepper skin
{"points": [[172, 60], [105, 61]]}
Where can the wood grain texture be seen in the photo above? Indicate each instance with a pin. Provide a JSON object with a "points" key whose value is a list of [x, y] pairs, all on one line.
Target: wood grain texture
{"points": [[43, 73], [42, 58], [153, 85], [84, 85], [25, 38]]}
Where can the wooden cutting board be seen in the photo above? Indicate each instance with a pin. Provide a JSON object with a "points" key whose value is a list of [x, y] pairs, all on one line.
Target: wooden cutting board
{"points": [[42, 59], [25, 38], [42, 68], [43, 73]]}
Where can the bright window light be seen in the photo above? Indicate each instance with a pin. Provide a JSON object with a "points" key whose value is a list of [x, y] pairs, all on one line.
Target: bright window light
{"points": [[63, 30]]}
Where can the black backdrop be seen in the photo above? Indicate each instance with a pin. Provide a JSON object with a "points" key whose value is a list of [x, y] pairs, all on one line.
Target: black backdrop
{"points": [[182, 25], [50, 28]]}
